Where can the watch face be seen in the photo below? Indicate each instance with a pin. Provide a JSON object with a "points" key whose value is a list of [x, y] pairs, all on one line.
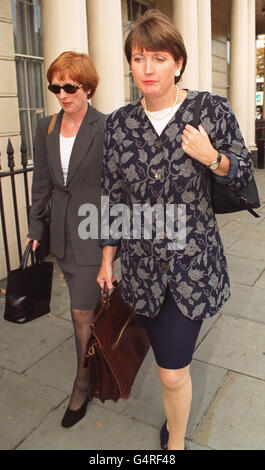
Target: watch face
{"points": [[214, 165]]}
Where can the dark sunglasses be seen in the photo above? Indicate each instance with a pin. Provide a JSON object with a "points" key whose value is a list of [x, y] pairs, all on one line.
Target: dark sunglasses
{"points": [[68, 88]]}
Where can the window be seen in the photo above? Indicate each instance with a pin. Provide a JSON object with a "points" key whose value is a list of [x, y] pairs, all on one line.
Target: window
{"points": [[134, 9], [27, 28]]}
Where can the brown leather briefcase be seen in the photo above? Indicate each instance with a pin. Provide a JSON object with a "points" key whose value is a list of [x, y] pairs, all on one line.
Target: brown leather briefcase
{"points": [[116, 349]]}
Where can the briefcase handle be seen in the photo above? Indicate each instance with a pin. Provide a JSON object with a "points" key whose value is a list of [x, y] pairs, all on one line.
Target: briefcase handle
{"points": [[106, 293], [25, 257]]}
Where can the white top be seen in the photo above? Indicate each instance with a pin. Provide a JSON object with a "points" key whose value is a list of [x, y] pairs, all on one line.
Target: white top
{"points": [[159, 119], [66, 146]]}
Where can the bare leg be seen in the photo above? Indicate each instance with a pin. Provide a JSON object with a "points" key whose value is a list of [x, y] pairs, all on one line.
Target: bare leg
{"points": [[81, 322], [177, 395]]}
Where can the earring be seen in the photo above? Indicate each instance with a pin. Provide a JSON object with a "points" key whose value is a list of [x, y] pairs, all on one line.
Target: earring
{"points": [[177, 73]]}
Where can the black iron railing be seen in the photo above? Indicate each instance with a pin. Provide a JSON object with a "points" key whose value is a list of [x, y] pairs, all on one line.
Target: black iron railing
{"points": [[12, 175], [260, 140]]}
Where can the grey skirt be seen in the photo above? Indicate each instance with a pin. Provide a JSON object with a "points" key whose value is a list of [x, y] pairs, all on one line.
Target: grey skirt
{"points": [[83, 288]]}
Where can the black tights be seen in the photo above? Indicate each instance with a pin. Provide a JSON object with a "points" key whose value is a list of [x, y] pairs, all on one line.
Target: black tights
{"points": [[81, 322]]}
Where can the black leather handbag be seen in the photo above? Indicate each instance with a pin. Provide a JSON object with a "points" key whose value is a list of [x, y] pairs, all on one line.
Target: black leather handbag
{"points": [[224, 199], [28, 291]]}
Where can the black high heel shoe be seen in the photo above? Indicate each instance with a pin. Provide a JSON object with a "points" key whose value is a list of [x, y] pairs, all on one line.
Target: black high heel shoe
{"points": [[164, 436], [72, 417]]}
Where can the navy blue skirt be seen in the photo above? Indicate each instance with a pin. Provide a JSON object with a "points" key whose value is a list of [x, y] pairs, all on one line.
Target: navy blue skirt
{"points": [[172, 335]]}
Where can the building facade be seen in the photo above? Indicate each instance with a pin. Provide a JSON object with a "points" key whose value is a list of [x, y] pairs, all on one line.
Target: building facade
{"points": [[220, 37]]}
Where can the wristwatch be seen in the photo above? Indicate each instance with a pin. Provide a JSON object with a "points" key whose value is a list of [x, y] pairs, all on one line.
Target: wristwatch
{"points": [[214, 165]]}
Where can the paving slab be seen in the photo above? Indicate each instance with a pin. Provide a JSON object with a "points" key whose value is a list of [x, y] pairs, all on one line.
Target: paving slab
{"points": [[60, 300], [100, 429], [261, 281], [252, 230], [195, 446], [246, 302], [235, 344], [223, 219], [245, 249], [57, 369], [206, 380], [21, 346], [241, 223], [244, 271], [235, 419], [228, 241], [207, 324], [23, 406]]}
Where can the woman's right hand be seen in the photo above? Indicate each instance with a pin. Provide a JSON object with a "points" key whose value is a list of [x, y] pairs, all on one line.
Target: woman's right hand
{"points": [[35, 243], [105, 275]]}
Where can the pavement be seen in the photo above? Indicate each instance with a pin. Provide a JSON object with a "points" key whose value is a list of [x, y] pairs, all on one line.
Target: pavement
{"points": [[37, 367]]}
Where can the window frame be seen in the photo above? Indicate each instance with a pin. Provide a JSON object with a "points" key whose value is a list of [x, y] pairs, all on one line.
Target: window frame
{"points": [[25, 59]]}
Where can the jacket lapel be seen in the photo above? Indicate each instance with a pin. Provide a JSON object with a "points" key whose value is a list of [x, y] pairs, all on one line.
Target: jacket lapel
{"points": [[53, 149], [82, 142], [81, 145]]}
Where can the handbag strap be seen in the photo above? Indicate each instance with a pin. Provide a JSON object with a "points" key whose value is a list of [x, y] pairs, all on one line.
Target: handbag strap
{"points": [[52, 123], [25, 257], [197, 109]]}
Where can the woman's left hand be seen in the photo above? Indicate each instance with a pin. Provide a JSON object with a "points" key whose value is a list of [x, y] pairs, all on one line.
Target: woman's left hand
{"points": [[35, 244], [196, 143]]}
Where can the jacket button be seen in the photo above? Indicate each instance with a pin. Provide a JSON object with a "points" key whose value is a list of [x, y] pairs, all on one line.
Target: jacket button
{"points": [[158, 144], [158, 176], [164, 265]]}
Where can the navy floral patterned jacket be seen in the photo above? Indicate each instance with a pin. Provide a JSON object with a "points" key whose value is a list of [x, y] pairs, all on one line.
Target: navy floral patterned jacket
{"points": [[143, 170]]}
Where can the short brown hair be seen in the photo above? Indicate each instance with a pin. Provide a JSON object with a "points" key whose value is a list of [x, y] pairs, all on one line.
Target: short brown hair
{"points": [[78, 66], [154, 31]]}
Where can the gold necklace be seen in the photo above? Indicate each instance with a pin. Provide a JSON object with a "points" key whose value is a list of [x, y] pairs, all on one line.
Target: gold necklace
{"points": [[170, 109]]}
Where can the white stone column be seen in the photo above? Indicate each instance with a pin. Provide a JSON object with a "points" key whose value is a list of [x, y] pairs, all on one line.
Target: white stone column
{"points": [[64, 29], [263, 104], [205, 44], [185, 17], [252, 75], [106, 50], [239, 63]]}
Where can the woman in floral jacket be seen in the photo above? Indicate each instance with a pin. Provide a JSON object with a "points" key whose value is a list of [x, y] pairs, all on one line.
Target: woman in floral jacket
{"points": [[157, 171]]}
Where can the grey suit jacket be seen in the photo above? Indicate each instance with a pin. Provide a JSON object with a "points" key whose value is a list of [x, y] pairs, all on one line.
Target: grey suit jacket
{"points": [[82, 185]]}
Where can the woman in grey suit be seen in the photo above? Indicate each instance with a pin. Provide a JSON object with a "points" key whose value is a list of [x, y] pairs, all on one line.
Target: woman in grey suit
{"points": [[174, 271], [67, 167]]}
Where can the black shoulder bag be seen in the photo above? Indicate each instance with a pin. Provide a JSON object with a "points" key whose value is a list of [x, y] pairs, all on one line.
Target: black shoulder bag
{"points": [[225, 199], [29, 288]]}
